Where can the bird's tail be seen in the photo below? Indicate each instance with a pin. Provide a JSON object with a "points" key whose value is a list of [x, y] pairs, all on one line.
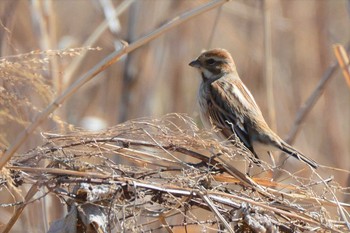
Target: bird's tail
{"points": [[296, 154]]}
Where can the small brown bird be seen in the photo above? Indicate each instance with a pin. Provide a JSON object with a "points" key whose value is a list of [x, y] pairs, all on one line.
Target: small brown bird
{"points": [[226, 103]]}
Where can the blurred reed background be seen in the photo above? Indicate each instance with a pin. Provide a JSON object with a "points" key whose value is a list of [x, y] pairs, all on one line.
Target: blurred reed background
{"points": [[282, 48]]}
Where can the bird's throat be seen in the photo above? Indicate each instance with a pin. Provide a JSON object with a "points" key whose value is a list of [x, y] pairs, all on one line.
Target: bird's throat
{"points": [[204, 78], [209, 76]]}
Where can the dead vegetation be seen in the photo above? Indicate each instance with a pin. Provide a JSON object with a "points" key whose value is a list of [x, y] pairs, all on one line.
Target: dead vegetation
{"points": [[151, 174], [160, 174]]}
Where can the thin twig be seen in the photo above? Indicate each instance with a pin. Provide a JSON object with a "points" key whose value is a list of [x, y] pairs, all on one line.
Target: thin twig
{"points": [[211, 205], [340, 208], [32, 191]]}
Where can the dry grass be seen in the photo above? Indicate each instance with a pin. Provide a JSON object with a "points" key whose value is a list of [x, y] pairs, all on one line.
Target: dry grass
{"points": [[80, 70], [175, 175]]}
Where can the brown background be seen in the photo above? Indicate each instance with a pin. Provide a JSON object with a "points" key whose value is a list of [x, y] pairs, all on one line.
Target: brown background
{"points": [[155, 79]]}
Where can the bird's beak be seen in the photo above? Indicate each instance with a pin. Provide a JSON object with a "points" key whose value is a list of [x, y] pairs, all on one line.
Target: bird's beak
{"points": [[195, 64]]}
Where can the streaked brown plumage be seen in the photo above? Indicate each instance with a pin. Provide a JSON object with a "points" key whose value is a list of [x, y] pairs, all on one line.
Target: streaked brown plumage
{"points": [[227, 104]]}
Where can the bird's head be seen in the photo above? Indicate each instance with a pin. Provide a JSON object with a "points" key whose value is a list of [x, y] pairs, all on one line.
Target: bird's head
{"points": [[214, 63]]}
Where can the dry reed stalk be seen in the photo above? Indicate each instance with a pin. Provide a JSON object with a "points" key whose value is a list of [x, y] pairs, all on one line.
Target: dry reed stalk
{"points": [[91, 40], [215, 25], [305, 109], [268, 63], [30, 194], [343, 60]]}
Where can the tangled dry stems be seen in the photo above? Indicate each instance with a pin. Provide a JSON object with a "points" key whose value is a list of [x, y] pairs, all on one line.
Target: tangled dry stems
{"points": [[164, 173], [151, 174]]}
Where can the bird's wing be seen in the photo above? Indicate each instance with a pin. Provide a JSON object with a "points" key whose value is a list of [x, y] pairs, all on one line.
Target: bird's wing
{"points": [[231, 104], [228, 124], [233, 107]]}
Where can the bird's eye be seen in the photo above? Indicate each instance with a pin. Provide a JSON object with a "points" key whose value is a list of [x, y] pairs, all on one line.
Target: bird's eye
{"points": [[210, 61]]}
